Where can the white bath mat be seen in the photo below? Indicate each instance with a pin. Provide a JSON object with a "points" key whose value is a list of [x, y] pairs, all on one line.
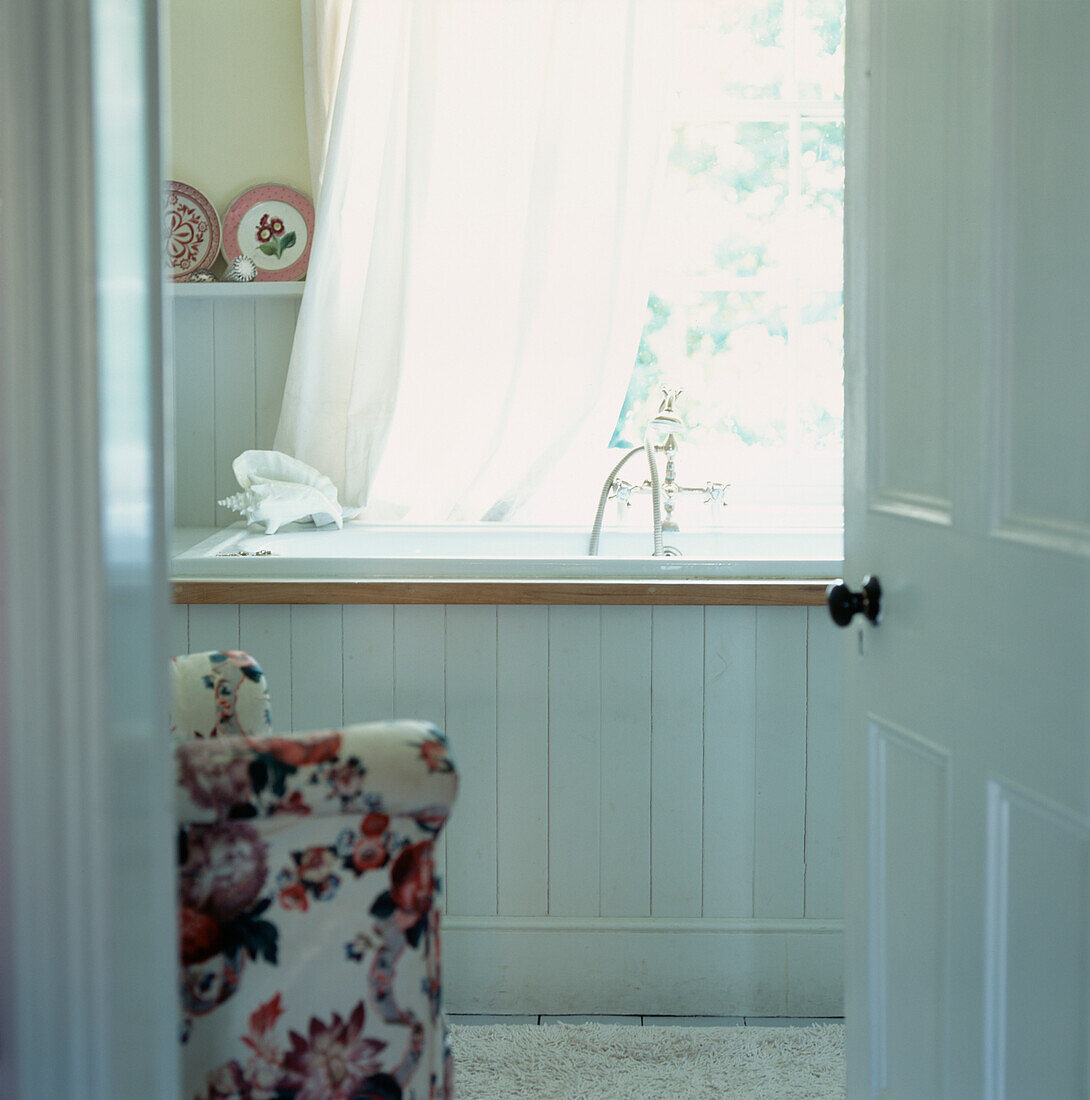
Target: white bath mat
{"points": [[620, 1062]]}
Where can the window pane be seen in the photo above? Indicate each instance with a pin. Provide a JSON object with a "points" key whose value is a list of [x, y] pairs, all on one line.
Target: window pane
{"points": [[725, 193], [733, 50], [819, 52], [727, 351], [746, 314], [821, 218], [821, 373], [736, 370]]}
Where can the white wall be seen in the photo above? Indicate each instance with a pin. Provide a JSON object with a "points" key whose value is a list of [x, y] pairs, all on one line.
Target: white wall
{"points": [[235, 96]]}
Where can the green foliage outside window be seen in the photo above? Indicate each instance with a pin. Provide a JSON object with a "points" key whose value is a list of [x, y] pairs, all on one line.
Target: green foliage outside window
{"points": [[745, 313]]}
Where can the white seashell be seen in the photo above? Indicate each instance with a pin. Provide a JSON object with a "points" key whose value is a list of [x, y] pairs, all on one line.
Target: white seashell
{"points": [[275, 503], [277, 466], [279, 489]]}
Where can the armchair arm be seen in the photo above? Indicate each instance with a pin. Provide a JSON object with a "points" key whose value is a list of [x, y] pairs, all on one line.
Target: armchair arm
{"points": [[217, 694], [395, 768]]}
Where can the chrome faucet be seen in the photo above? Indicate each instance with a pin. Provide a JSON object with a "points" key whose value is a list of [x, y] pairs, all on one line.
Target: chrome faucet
{"points": [[664, 496], [667, 419]]}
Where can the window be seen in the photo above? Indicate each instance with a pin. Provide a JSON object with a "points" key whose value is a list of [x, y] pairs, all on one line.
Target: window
{"points": [[488, 308], [745, 314]]}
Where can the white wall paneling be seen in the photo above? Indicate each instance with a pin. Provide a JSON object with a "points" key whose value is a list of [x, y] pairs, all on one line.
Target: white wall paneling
{"points": [[677, 760], [420, 681], [274, 330], [317, 689], [213, 626], [234, 411], [368, 662], [730, 760], [780, 767], [522, 759], [628, 775], [626, 809], [419, 653], [575, 764], [823, 856], [470, 678], [231, 353], [194, 372], [266, 633]]}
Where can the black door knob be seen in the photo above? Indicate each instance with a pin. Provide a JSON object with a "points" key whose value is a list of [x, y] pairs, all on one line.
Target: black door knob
{"points": [[844, 603]]}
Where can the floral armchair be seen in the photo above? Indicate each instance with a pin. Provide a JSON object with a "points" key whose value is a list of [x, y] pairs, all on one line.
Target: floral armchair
{"points": [[216, 694], [309, 952]]}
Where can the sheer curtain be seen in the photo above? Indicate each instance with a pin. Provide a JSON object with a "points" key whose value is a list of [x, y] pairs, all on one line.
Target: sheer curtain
{"points": [[485, 171]]}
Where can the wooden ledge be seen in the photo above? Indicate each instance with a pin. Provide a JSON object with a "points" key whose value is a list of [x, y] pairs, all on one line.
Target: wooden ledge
{"points": [[763, 593]]}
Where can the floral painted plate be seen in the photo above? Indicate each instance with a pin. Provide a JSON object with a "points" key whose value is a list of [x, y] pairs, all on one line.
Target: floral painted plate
{"points": [[192, 230], [273, 225]]}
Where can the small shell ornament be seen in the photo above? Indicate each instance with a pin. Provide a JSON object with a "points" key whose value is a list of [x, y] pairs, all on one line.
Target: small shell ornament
{"points": [[278, 489], [241, 270]]}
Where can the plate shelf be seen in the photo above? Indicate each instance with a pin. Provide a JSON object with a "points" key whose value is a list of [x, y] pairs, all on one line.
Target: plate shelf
{"points": [[236, 290]]}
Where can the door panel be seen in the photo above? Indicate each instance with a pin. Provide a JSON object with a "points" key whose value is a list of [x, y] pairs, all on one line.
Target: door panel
{"points": [[909, 856], [909, 368], [1037, 969], [1042, 240], [968, 493]]}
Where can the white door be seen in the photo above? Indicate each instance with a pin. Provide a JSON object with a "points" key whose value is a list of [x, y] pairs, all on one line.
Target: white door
{"points": [[968, 380]]}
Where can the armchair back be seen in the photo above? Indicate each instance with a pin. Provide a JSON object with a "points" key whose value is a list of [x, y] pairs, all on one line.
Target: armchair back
{"points": [[308, 913], [216, 694]]}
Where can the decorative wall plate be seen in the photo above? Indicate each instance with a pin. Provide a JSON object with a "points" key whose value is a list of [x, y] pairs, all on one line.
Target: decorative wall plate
{"points": [[192, 230], [273, 225]]}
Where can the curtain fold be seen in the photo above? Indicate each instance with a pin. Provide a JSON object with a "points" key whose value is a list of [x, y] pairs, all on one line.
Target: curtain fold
{"points": [[325, 26], [478, 278]]}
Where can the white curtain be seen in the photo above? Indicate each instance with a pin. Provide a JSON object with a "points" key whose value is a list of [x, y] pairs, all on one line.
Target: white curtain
{"points": [[485, 172]]}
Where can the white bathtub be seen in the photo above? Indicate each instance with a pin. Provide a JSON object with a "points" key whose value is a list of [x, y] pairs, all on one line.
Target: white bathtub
{"points": [[498, 551]]}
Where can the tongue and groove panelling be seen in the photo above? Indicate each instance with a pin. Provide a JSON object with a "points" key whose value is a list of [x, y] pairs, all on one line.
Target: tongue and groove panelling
{"points": [[231, 347], [668, 771]]}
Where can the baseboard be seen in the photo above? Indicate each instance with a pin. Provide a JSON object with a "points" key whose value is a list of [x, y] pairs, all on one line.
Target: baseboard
{"points": [[643, 966]]}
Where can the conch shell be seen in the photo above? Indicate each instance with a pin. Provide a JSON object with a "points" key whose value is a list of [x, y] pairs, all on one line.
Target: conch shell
{"points": [[279, 489]]}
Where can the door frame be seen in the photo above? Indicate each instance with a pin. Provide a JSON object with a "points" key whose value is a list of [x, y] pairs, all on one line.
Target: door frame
{"points": [[87, 926]]}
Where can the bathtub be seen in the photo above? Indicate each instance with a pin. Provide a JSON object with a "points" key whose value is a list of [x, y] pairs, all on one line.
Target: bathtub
{"points": [[360, 551]]}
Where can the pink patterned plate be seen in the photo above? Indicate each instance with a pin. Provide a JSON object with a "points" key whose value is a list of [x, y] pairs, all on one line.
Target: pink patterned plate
{"points": [[192, 230], [273, 225]]}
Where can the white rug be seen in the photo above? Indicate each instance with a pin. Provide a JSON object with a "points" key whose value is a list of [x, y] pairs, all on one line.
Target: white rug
{"points": [[620, 1062]]}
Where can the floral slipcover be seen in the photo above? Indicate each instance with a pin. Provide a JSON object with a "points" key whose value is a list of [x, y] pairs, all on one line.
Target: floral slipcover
{"points": [[218, 693], [309, 931]]}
